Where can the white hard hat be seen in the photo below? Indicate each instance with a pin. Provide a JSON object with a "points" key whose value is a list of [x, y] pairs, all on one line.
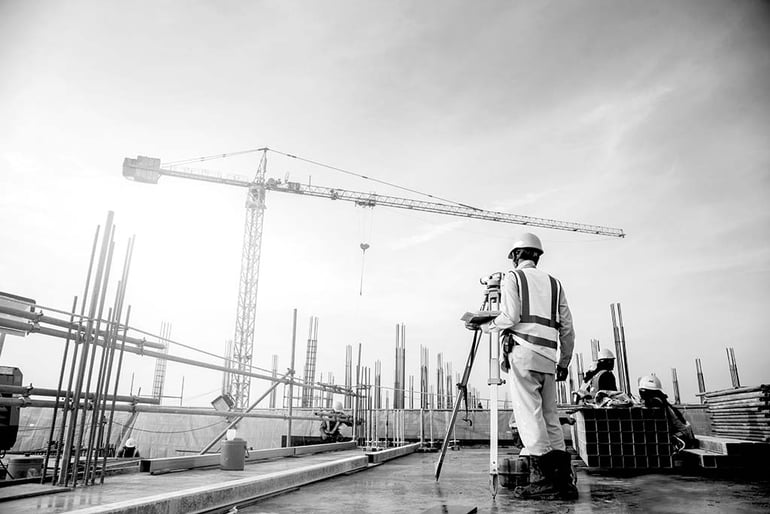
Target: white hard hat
{"points": [[650, 383], [526, 240], [338, 406], [130, 443], [605, 353]]}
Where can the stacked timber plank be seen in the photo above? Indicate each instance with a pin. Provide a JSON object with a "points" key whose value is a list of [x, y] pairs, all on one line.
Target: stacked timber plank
{"points": [[726, 453], [741, 412]]}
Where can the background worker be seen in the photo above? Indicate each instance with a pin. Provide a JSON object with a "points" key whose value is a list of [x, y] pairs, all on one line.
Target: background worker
{"points": [[331, 422], [537, 326], [652, 396], [129, 450], [601, 377]]}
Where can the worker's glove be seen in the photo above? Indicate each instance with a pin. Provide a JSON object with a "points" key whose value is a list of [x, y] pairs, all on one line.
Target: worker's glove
{"points": [[561, 374]]}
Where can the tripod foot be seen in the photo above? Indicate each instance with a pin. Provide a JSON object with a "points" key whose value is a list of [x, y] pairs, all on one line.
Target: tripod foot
{"points": [[494, 483]]}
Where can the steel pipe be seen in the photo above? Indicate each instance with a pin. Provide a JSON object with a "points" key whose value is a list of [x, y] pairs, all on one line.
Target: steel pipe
{"points": [[157, 409]]}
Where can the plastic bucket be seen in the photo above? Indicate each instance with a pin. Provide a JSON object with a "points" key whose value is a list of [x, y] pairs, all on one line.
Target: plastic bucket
{"points": [[25, 467], [233, 455]]}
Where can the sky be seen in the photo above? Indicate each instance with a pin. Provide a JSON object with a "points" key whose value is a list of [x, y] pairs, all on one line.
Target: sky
{"points": [[652, 117]]}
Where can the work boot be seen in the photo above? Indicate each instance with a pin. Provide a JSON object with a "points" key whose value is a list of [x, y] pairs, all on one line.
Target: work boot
{"points": [[564, 477], [541, 485]]}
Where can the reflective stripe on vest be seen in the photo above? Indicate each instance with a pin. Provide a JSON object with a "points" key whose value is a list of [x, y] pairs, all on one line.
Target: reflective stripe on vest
{"points": [[539, 318]]}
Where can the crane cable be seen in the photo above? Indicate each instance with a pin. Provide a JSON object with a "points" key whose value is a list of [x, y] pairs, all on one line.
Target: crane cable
{"points": [[316, 163], [347, 172]]}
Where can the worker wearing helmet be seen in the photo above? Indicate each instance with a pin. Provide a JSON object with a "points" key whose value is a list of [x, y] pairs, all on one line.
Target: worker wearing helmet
{"points": [[129, 450], [332, 421], [652, 395], [536, 319], [600, 377]]}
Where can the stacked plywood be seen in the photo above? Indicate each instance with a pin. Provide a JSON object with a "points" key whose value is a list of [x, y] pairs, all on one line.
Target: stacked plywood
{"points": [[741, 413]]}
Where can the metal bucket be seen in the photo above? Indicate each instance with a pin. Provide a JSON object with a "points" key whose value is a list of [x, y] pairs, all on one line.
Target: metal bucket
{"points": [[233, 455], [25, 467]]}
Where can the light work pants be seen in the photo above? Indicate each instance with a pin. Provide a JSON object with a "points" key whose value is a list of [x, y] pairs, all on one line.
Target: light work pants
{"points": [[534, 408]]}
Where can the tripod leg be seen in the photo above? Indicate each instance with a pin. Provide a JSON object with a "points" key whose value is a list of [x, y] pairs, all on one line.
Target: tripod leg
{"points": [[494, 383], [461, 386]]}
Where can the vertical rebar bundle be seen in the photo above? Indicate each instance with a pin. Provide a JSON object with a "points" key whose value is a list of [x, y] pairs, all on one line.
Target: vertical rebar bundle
{"points": [[329, 394], [595, 349], [290, 396], [675, 380], [449, 386], [580, 369], [439, 381], [424, 357], [310, 362], [736, 381], [701, 381], [348, 375], [227, 378], [399, 386], [159, 377], [620, 348], [274, 374], [411, 391]]}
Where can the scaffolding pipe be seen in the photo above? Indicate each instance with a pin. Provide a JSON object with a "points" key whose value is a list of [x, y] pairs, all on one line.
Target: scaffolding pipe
{"points": [[53, 393], [58, 395], [149, 353], [84, 354], [115, 389], [38, 318], [156, 409]]}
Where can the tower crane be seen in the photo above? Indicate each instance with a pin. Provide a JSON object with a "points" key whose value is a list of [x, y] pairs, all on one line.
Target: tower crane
{"points": [[149, 170]]}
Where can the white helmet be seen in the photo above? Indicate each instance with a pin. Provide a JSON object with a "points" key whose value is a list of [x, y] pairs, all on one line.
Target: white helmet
{"points": [[526, 240], [605, 353], [130, 443], [650, 383], [338, 406]]}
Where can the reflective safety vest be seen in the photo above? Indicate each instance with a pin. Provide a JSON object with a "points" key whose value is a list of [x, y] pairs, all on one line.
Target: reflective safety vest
{"points": [[538, 327]]}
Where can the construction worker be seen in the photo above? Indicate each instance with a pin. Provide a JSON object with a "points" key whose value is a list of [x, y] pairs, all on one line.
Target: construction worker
{"points": [[600, 377], [331, 422], [538, 339], [652, 395], [129, 450]]}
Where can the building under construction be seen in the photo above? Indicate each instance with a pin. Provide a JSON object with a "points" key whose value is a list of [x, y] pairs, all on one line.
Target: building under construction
{"points": [[270, 451]]}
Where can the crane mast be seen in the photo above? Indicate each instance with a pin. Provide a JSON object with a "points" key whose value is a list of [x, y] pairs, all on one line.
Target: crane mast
{"points": [[149, 170]]}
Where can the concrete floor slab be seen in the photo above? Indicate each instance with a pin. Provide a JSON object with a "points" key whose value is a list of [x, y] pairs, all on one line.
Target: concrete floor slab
{"points": [[406, 485]]}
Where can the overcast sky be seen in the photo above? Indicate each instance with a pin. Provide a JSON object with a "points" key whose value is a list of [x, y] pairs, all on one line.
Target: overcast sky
{"points": [[653, 117]]}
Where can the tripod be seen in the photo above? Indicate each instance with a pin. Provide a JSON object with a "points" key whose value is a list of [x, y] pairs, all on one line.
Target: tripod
{"points": [[489, 310]]}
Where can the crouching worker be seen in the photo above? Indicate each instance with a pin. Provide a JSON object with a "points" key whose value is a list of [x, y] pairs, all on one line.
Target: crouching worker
{"points": [[537, 319], [652, 396], [332, 421], [129, 450]]}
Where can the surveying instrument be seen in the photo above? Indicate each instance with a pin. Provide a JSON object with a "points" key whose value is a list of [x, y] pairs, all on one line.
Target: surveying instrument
{"points": [[490, 309]]}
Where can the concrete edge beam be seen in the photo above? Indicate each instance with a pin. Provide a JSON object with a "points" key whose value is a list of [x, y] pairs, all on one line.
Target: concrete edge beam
{"points": [[205, 498], [319, 448], [391, 453], [166, 464]]}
